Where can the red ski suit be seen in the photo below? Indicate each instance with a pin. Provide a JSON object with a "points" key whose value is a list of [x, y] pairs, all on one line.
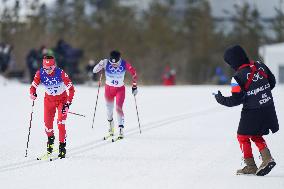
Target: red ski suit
{"points": [[56, 85]]}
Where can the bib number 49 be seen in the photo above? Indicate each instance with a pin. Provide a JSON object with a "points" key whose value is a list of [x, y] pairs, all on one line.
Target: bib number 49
{"points": [[115, 82]]}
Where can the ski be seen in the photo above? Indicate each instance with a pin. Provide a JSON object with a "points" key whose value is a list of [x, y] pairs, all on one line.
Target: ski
{"points": [[54, 158], [44, 157], [113, 139], [107, 137], [47, 156], [116, 139]]}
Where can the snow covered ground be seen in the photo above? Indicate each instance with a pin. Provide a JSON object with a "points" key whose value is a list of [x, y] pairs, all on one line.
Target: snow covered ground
{"points": [[187, 141]]}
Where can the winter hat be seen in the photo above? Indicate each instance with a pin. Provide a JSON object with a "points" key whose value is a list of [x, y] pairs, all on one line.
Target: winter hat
{"points": [[48, 61], [114, 56], [236, 56]]}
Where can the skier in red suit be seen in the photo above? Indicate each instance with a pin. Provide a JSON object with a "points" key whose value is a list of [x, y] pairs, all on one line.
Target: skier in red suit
{"points": [[56, 83]]}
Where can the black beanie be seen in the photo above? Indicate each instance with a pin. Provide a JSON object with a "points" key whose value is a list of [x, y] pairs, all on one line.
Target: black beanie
{"points": [[236, 56], [114, 56]]}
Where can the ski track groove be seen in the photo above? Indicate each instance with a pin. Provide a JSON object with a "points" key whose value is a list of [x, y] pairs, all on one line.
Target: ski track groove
{"points": [[100, 142]]}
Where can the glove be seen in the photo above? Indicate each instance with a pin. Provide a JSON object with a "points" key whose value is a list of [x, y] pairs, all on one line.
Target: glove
{"points": [[65, 107], [219, 97], [134, 90], [33, 96]]}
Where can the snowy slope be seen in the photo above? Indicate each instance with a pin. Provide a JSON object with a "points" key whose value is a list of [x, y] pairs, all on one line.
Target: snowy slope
{"points": [[187, 141]]}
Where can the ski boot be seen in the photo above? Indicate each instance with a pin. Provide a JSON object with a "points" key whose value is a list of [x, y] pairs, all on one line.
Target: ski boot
{"points": [[267, 163], [50, 143], [110, 130], [250, 167], [120, 135], [62, 150]]}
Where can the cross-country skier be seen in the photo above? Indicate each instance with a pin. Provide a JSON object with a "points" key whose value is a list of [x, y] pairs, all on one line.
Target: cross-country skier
{"points": [[251, 86], [56, 83], [115, 68]]}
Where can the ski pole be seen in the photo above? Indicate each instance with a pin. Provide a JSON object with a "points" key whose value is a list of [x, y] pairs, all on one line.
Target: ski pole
{"points": [[137, 113], [97, 99], [77, 114], [30, 129]]}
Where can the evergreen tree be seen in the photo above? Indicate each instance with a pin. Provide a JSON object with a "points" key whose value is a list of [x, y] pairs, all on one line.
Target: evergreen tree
{"points": [[160, 40], [248, 29], [278, 23], [200, 40]]}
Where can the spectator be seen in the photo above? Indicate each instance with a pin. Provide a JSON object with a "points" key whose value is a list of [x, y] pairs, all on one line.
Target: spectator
{"points": [[220, 78], [68, 57], [169, 76], [32, 61], [60, 54], [5, 56], [89, 70]]}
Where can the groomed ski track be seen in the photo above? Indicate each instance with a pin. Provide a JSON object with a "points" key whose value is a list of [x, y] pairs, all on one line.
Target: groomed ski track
{"points": [[187, 141]]}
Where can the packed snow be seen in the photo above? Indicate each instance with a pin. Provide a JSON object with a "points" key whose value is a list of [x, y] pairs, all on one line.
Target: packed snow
{"points": [[187, 141]]}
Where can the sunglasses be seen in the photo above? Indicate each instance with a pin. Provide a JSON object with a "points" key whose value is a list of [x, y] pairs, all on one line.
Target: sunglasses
{"points": [[48, 68], [115, 64]]}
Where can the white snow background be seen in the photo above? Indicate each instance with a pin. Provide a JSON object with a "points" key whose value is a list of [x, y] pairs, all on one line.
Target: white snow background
{"points": [[187, 141]]}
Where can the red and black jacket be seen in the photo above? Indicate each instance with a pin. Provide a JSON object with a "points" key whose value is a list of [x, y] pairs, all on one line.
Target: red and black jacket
{"points": [[256, 82]]}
